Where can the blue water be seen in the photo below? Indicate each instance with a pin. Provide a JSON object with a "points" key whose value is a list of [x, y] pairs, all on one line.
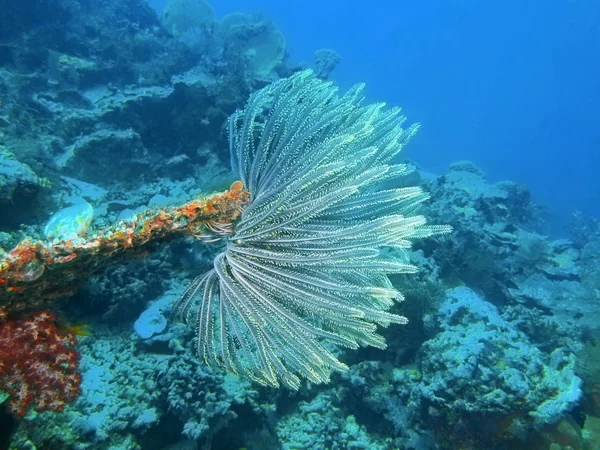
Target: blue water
{"points": [[512, 85]]}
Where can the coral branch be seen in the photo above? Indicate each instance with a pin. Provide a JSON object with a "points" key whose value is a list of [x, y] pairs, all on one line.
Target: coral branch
{"points": [[34, 272]]}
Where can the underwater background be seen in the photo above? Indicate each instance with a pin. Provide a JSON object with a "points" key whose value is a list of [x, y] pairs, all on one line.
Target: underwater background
{"points": [[522, 75], [117, 190]]}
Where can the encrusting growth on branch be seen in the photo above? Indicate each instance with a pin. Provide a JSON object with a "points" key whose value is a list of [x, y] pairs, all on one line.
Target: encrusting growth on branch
{"points": [[37, 271]]}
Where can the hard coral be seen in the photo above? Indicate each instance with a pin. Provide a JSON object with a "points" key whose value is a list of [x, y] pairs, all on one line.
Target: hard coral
{"points": [[38, 366]]}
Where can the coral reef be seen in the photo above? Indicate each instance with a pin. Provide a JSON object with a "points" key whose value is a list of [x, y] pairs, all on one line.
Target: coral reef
{"points": [[477, 361], [255, 39], [38, 365], [16, 178], [114, 117], [325, 61]]}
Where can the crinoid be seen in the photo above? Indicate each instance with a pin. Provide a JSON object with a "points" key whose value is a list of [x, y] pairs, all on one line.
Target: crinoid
{"points": [[303, 267]]}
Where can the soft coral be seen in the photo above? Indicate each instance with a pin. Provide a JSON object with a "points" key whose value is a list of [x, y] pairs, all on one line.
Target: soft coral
{"points": [[38, 366]]}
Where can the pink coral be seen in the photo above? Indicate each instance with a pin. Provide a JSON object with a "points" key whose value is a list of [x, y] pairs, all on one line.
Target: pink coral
{"points": [[38, 366]]}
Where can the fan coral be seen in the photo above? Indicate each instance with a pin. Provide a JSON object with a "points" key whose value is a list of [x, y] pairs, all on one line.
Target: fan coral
{"points": [[303, 266], [38, 366]]}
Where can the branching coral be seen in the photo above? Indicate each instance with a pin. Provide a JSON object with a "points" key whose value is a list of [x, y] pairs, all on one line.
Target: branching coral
{"points": [[302, 266]]}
